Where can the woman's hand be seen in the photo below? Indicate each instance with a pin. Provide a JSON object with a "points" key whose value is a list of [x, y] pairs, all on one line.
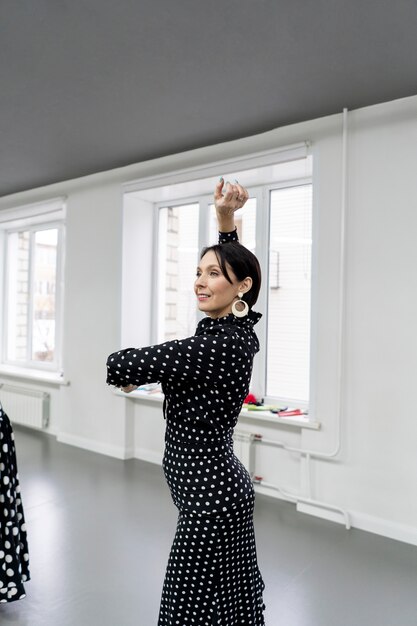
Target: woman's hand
{"points": [[129, 388], [233, 198], [228, 198]]}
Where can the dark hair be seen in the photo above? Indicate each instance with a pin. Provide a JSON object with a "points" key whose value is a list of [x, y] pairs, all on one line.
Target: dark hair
{"points": [[243, 264]]}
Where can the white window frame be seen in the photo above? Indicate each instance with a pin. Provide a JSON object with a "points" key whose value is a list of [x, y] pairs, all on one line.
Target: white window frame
{"points": [[33, 218]]}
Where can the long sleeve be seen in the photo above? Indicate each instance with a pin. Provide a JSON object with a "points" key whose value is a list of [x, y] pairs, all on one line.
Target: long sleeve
{"points": [[206, 356], [203, 356], [227, 237]]}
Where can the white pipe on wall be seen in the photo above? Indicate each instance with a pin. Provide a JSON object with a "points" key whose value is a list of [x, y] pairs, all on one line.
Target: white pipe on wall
{"points": [[292, 496], [296, 498]]}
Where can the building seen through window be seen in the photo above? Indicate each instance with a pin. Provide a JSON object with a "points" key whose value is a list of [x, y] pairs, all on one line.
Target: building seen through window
{"points": [[31, 295]]}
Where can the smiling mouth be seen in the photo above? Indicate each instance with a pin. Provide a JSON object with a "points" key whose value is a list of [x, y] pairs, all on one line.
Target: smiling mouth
{"points": [[202, 296]]}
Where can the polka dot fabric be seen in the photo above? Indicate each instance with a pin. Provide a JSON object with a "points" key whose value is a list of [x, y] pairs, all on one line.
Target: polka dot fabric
{"points": [[212, 577], [14, 556]]}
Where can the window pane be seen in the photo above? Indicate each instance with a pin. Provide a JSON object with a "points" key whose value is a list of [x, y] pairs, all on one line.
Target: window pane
{"points": [[177, 262], [44, 289], [17, 295], [245, 220], [288, 346]]}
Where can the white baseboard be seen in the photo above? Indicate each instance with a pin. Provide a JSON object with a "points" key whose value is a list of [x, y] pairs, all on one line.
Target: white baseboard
{"points": [[386, 528], [362, 521], [148, 455], [117, 452]]}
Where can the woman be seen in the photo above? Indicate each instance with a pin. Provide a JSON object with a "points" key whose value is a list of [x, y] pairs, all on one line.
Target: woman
{"points": [[14, 555], [212, 576]]}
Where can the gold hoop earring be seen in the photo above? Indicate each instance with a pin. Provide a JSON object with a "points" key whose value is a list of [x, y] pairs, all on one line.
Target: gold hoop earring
{"points": [[244, 308]]}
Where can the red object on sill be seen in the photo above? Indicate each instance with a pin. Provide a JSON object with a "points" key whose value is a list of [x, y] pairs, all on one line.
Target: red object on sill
{"points": [[290, 413], [250, 399]]}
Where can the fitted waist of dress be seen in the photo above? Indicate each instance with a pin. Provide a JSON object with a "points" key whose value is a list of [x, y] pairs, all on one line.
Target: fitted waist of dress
{"points": [[198, 446]]}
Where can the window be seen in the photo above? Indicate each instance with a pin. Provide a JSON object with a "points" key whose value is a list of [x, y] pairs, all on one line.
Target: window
{"points": [[276, 224], [32, 294], [177, 261], [288, 332]]}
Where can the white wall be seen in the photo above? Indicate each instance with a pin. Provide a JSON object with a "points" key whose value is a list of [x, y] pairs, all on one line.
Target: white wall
{"points": [[90, 413], [374, 476]]}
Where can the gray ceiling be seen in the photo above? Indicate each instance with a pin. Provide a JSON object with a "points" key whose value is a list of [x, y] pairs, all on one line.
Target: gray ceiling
{"points": [[87, 86]]}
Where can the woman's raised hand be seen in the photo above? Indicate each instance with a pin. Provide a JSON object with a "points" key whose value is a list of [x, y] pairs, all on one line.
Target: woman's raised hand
{"points": [[228, 198]]}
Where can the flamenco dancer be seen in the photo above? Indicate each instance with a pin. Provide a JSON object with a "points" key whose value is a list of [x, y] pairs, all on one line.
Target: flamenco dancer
{"points": [[212, 577], [14, 554]]}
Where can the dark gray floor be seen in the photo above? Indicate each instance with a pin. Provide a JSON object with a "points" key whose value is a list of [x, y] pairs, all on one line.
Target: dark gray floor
{"points": [[100, 532]]}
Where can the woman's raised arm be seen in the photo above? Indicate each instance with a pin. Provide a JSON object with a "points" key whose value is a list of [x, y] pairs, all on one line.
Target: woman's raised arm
{"points": [[228, 198]]}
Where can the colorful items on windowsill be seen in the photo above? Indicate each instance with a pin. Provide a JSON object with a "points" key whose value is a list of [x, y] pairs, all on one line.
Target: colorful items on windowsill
{"points": [[251, 399], [252, 404]]}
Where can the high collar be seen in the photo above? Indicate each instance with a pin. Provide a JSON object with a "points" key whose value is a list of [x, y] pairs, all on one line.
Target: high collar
{"points": [[250, 319]]}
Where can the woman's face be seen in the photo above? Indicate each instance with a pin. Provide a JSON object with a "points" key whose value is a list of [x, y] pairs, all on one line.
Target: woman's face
{"points": [[215, 295]]}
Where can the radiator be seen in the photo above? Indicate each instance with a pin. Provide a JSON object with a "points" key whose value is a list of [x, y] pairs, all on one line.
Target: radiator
{"points": [[28, 407], [244, 449]]}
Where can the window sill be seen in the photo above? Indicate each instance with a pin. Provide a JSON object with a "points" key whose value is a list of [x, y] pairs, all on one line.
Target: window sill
{"points": [[252, 416], [50, 378], [142, 396], [301, 421]]}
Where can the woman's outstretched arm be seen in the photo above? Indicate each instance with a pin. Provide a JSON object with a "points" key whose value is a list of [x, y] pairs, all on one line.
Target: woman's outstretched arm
{"points": [[200, 357]]}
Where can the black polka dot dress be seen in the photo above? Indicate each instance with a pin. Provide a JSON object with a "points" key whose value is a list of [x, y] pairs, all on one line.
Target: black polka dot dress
{"points": [[14, 555], [212, 577]]}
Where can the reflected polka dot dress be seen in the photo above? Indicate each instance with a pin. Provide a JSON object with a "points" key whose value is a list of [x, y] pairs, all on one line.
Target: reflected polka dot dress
{"points": [[14, 556], [212, 576]]}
